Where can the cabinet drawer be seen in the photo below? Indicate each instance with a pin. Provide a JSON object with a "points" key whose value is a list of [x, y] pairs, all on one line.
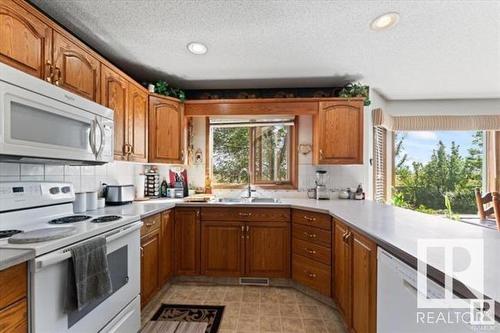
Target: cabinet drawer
{"points": [[311, 274], [14, 318], [318, 220], [312, 251], [313, 235], [13, 284], [246, 214], [151, 223]]}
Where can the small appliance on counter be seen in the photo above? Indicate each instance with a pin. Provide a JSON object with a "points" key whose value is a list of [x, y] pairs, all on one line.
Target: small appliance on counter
{"points": [[152, 183], [119, 194], [178, 184], [321, 189]]}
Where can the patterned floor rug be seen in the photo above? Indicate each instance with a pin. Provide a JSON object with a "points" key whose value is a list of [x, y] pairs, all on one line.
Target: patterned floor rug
{"points": [[182, 318]]}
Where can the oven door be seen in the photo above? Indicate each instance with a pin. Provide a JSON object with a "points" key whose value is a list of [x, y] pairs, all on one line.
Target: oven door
{"points": [[37, 126], [49, 283]]}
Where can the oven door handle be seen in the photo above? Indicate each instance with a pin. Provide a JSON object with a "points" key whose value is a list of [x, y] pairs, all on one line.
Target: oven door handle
{"points": [[54, 258]]}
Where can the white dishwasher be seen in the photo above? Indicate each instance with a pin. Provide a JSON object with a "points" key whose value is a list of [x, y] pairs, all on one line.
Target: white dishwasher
{"points": [[397, 309]]}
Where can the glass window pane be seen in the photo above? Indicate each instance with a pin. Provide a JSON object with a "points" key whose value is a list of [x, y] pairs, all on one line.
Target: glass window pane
{"points": [[272, 154], [230, 154]]}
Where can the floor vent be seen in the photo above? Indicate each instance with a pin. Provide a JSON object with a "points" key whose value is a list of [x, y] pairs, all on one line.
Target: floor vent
{"points": [[254, 281]]}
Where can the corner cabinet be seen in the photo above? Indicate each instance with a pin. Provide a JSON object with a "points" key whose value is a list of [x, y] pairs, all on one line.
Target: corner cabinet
{"points": [[355, 278], [187, 241], [25, 41], [166, 130], [338, 132]]}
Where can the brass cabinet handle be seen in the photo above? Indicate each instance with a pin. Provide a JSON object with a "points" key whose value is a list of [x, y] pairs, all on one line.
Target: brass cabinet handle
{"points": [[310, 275], [57, 76], [309, 218], [321, 154], [142, 251], [242, 231], [310, 235], [248, 235], [150, 224], [309, 251], [50, 71], [344, 236], [182, 154]]}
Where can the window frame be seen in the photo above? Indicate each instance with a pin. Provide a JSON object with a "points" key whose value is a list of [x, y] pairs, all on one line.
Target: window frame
{"points": [[290, 185]]}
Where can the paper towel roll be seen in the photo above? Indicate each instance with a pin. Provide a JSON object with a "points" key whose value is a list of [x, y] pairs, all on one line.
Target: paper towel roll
{"points": [[139, 186]]}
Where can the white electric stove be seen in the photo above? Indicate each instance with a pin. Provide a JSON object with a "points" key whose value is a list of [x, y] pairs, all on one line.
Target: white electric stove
{"points": [[39, 216]]}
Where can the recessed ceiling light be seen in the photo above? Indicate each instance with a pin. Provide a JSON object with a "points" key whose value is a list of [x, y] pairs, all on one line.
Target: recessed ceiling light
{"points": [[197, 48], [385, 21]]}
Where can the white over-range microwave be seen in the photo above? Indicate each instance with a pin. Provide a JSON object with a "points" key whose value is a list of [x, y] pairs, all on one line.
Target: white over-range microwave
{"points": [[42, 123]]}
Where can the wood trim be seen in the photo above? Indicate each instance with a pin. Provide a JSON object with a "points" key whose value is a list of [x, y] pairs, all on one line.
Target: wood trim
{"points": [[263, 106]]}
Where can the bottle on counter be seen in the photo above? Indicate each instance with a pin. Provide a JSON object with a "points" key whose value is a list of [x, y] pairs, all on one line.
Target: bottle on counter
{"points": [[163, 188], [359, 194]]}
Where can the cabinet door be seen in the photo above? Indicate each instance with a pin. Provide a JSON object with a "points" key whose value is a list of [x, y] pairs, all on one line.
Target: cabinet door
{"points": [[114, 94], [187, 241], [339, 133], [166, 131], [25, 41], [222, 248], [342, 270], [138, 123], [166, 246], [364, 283], [75, 69], [150, 252], [267, 249]]}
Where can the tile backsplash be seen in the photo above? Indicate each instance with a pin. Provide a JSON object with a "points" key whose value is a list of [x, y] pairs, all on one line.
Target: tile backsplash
{"points": [[84, 178]]}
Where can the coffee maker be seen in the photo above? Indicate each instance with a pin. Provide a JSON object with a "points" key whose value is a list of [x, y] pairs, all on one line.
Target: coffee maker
{"points": [[321, 189]]}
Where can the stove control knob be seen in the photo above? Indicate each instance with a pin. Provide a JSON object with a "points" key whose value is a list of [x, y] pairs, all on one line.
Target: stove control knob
{"points": [[54, 190], [66, 189]]}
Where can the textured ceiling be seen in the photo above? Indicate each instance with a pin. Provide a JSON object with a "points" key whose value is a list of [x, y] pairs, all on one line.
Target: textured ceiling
{"points": [[439, 49]]}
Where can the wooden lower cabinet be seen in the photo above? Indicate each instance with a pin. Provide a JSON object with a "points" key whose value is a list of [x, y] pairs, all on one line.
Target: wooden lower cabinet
{"points": [[166, 270], [355, 278], [222, 248], [364, 283], [187, 241], [13, 299], [150, 254], [267, 249], [311, 273]]}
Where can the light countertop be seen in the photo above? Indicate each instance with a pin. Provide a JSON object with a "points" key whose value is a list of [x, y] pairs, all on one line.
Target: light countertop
{"points": [[12, 257]]}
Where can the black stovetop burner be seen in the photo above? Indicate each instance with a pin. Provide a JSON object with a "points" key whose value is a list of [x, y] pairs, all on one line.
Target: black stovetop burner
{"points": [[70, 219], [8, 233], [106, 218]]}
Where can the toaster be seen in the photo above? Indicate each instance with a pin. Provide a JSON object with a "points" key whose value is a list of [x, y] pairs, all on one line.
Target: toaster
{"points": [[119, 194]]}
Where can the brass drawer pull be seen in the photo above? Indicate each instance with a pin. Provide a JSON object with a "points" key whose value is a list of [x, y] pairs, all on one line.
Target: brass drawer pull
{"points": [[244, 214], [312, 219], [310, 275], [310, 235], [309, 251], [242, 231], [150, 224]]}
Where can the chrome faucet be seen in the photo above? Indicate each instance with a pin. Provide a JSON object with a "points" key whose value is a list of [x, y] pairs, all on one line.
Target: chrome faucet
{"points": [[249, 187]]}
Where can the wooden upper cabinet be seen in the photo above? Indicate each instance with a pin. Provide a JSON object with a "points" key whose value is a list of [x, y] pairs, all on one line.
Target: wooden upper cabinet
{"points": [[364, 283], [114, 95], [166, 130], [338, 132], [75, 69], [25, 41], [137, 123], [222, 248], [187, 241], [268, 249]]}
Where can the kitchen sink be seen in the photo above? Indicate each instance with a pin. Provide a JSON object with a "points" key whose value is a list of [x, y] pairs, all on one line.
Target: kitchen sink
{"points": [[265, 200], [231, 200]]}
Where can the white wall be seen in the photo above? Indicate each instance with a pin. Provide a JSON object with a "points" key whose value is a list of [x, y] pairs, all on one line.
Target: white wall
{"points": [[444, 107]]}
